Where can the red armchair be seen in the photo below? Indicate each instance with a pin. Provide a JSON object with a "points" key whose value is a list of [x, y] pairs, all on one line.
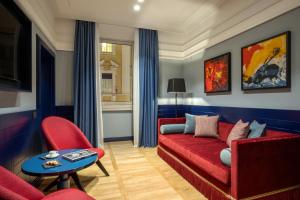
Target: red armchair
{"points": [[62, 134], [14, 188]]}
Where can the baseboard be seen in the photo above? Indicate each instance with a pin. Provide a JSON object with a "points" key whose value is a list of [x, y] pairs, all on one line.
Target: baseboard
{"points": [[116, 139]]}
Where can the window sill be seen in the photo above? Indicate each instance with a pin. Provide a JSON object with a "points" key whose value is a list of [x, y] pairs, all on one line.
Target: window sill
{"points": [[116, 106]]}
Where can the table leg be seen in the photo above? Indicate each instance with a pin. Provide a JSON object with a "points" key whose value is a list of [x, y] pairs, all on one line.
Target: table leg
{"points": [[52, 184], [63, 182], [77, 181]]}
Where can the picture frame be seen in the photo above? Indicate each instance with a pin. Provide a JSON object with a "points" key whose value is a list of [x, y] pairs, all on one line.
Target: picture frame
{"points": [[266, 64], [217, 74]]}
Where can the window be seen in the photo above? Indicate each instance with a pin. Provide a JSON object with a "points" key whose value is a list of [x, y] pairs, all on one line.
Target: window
{"points": [[116, 75], [106, 48]]}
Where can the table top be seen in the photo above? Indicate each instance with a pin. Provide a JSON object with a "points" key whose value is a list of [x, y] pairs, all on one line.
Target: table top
{"points": [[34, 166]]}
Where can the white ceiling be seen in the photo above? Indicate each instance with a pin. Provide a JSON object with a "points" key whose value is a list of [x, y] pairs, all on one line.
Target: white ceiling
{"points": [[163, 15], [185, 27]]}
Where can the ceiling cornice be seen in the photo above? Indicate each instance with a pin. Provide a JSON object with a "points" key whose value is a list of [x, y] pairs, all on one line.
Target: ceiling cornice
{"points": [[172, 45], [246, 22]]}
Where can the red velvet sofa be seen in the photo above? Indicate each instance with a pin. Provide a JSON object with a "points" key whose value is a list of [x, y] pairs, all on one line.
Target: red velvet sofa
{"points": [[261, 168]]}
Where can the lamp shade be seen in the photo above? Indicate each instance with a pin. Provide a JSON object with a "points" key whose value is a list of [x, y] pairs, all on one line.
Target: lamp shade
{"points": [[176, 85]]}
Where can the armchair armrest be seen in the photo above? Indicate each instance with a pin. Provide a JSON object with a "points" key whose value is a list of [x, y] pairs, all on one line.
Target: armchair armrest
{"points": [[264, 165], [162, 121]]}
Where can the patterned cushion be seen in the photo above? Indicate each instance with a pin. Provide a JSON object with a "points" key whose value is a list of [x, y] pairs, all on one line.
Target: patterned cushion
{"points": [[239, 131], [206, 126]]}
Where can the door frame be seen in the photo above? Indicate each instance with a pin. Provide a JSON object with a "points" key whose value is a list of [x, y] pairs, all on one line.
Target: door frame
{"points": [[39, 44]]}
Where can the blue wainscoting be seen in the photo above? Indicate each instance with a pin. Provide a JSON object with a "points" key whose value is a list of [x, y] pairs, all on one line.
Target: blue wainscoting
{"points": [[286, 120], [20, 138], [166, 111]]}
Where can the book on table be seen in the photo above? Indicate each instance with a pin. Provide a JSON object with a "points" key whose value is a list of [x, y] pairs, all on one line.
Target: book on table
{"points": [[78, 155]]}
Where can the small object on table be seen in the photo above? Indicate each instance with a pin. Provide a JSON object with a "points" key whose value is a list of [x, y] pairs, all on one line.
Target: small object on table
{"points": [[50, 155], [51, 163], [78, 155]]}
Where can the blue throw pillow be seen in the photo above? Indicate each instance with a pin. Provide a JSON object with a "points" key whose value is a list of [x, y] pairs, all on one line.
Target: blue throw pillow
{"points": [[225, 156], [190, 123], [172, 128], [256, 129]]}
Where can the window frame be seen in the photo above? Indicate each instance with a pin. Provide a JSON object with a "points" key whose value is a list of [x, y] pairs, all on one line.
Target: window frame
{"points": [[118, 106]]}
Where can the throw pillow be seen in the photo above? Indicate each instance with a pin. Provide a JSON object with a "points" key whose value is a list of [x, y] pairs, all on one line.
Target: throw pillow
{"points": [[206, 126], [239, 131], [225, 156], [256, 129], [172, 128], [190, 123]]}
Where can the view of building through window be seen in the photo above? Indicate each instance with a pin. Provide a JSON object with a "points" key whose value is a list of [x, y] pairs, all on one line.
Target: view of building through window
{"points": [[106, 47], [116, 72]]}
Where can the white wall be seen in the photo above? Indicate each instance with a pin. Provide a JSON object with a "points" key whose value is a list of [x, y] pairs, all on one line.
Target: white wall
{"points": [[274, 99], [117, 124], [64, 78]]}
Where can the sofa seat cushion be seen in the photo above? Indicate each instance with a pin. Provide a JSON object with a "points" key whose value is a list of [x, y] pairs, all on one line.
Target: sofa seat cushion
{"points": [[203, 153]]}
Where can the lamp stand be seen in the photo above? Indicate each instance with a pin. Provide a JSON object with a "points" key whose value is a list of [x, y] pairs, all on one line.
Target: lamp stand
{"points": [[176, 104]]}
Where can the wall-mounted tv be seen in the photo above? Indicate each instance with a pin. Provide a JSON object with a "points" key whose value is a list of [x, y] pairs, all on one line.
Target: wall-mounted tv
{"points": [[15, 48]]}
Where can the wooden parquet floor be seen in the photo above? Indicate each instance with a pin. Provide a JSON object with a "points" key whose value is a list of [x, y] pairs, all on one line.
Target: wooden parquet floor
{"points": [[135, 174]]}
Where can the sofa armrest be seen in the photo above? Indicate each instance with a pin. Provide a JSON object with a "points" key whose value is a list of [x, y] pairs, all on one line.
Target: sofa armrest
{"points": [[162, 121], [264, 165]]}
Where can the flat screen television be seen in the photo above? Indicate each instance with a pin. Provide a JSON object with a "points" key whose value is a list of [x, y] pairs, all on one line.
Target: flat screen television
{"points": [[15, 48]]}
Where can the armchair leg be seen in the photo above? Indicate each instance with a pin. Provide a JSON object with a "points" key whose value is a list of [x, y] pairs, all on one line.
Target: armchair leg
{"points": [[102, 168], [77, 181]]}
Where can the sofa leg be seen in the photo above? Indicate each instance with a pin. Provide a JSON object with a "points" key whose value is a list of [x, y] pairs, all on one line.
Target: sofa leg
{"points": [[102, 168]]}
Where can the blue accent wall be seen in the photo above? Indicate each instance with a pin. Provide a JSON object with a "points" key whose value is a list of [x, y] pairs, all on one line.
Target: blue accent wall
{"points": [[285, 120], [20, 138]]}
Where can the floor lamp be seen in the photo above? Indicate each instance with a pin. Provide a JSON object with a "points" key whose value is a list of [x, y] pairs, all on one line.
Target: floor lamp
{"points": [[176, 85]]}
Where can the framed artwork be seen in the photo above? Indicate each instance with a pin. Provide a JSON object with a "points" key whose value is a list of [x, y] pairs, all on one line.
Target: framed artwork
{"points": [[266, 64], [217, 76]]}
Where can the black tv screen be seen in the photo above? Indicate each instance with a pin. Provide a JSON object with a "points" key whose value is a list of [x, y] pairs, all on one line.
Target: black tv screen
{"points": [[15, 48]]}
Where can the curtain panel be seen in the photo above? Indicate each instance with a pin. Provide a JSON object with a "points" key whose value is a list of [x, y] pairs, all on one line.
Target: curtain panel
{"points": [[148, 87], [85, 94]]}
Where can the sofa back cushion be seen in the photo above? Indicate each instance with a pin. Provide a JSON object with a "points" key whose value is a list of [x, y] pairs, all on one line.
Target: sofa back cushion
{"points": [[274, 133], [224, 130]]}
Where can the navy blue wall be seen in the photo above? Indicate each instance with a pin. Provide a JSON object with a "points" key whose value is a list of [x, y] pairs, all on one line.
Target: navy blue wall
{"points": [[66, 112], [286, 120], [20, 138]]}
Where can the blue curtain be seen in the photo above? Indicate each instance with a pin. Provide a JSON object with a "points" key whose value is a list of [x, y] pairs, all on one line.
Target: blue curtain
{"points": [[85, 110], [148, 75]]}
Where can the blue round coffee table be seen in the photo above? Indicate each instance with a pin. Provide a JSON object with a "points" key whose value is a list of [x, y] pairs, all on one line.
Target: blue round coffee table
{"points": [[34, 167]]}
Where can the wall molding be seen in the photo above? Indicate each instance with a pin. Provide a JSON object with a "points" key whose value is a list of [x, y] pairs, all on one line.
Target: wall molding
{"points": [[200, 43], [117, 139], [173, 45], [41, 22]]}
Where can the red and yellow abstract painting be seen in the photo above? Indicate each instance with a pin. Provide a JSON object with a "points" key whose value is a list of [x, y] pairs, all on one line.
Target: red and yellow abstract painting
{"points": [[265, 63], [217, 74]]}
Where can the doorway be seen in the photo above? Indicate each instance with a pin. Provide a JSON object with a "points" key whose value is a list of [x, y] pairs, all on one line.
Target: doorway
{"points": [[45, 80]]}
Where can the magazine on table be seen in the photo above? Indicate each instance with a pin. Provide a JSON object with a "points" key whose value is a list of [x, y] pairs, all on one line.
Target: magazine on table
{"points": [[77, 155]]}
